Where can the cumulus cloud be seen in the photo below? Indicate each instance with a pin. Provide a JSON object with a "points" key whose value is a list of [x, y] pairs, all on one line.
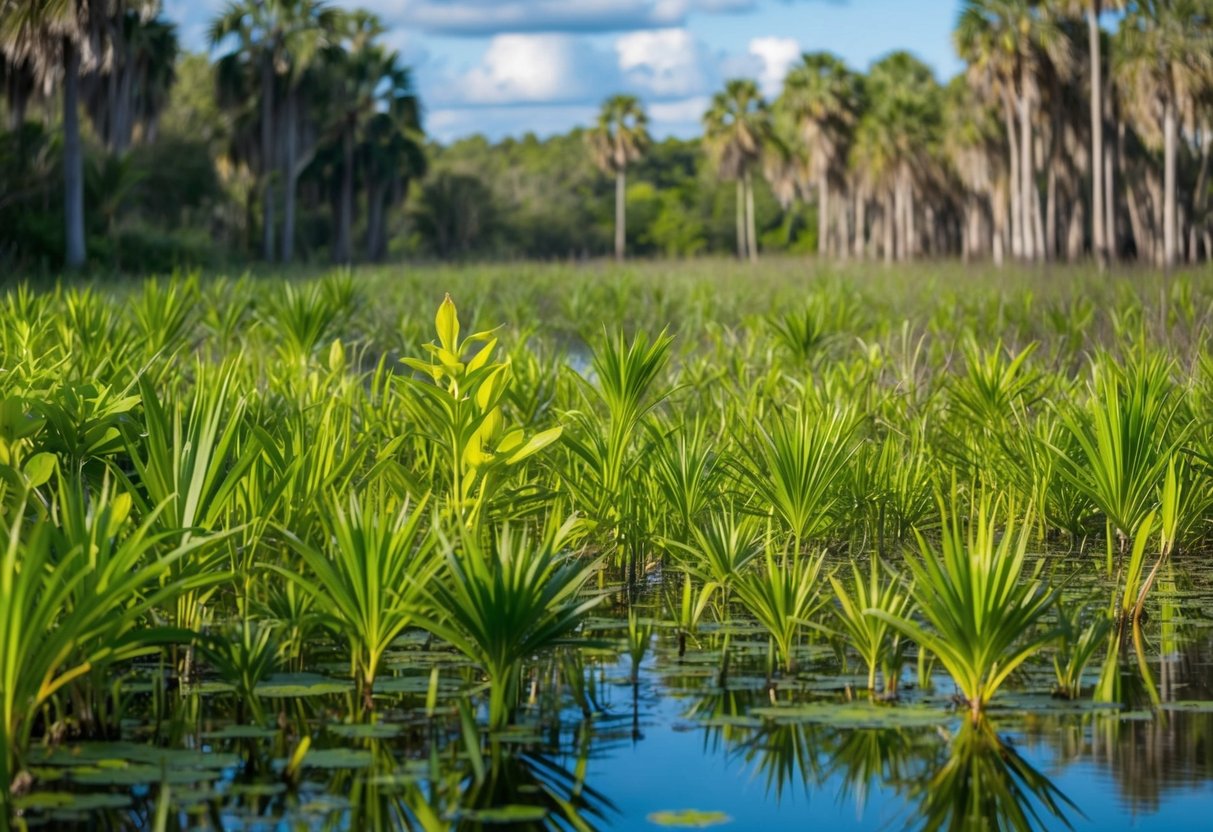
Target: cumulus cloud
{"points": [[775, 56], [531, 69], [666, 63]]}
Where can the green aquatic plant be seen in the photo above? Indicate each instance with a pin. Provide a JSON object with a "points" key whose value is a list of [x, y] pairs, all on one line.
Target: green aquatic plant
{"points": [[981, 602], [75, 600], [876, 641], [1125, 441], [794, 467], [783, 598], [368, 576], [502, 605], [720, 550], [1081, 633], [243, 655], [457, 405]]}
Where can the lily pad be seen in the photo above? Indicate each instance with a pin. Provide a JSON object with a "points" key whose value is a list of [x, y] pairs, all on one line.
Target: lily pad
{"points": [[1189, 706], [376, 731], [337, 758], [689, 818], [510, 813], [288, 685], [855, 715], [44, 801], [241, 732]]}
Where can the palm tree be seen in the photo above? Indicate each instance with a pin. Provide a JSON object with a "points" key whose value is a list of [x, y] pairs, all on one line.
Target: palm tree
{"points": [[274, 41], [62, 38], [367, 83], [822, 97], [1164, 56], [620, 137], [133, 89], [737, 129], [899, 132], [1004, 42], [393, 155]]}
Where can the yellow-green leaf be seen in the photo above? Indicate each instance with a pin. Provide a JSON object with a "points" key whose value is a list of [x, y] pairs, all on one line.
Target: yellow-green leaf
{"points": [[38, 468], [447, 324], [536, 443]]}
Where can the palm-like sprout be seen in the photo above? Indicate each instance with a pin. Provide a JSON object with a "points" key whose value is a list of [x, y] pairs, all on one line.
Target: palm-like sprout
{"points": [[796, 465], [500, 607], [368, 578], [784, 598], [1125, 441], [982, 602], [874, 638], [620, 137]]}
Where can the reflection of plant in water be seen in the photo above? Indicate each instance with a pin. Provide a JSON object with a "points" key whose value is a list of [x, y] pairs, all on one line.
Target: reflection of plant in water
{"points": [[531, 790], [986, 784], [786, 753], [890, 756]]}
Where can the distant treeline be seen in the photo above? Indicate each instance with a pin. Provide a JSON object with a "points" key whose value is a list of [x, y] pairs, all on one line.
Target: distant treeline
{"points": [[300, 138]]}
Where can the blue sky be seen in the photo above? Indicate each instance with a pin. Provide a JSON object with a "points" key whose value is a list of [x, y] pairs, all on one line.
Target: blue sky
{"points": [[507, 67]]}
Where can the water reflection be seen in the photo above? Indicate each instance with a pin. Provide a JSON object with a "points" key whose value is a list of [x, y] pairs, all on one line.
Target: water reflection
{"points": [[987, 784]]}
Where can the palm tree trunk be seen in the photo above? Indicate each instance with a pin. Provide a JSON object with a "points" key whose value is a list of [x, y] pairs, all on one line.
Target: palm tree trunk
{"points": [[911, 230], [289, 181], [844, 225], [267, 159], [1027, 185], [345, 218], [620, 214], [374, 221], [1013, 151], [998, 227], [1168, 220], [861, 209], [1051, 211], [73, 159], [1098, 237], [886, 225], [1112, 153], [823, 215], [751, 235], [741, 243]]}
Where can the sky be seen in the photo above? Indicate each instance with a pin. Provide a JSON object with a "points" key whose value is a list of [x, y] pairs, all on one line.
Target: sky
{"points": [[509, 67]]}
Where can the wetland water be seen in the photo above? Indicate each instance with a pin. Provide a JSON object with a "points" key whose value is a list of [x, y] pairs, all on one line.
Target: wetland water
{"points": [[682, 746]]}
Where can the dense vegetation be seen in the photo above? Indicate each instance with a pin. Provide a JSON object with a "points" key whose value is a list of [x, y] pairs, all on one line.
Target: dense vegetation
{"points": [[303, 139], [208, 483]]}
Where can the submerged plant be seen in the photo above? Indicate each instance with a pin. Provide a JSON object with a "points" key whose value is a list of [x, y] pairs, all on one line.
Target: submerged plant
{"points": [[784, 599], [1078, 641], [368, 577], [982, 602], [501, 606], [875, 640]]}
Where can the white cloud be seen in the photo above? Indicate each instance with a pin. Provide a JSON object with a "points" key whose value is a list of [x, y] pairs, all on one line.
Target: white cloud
{"points": [[666, 63], [545, 68], [775, 55]]}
